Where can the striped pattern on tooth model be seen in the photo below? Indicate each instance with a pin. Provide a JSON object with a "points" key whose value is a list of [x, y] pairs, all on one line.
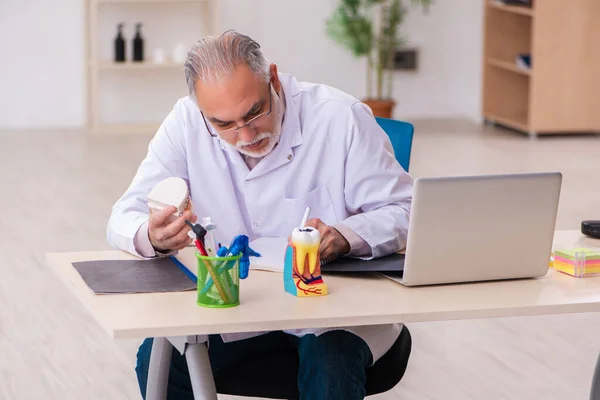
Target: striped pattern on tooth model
{"points": [[306, 241]]}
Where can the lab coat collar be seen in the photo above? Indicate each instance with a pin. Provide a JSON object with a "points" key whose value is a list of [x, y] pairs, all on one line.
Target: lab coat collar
{"points": [[291, 136]]}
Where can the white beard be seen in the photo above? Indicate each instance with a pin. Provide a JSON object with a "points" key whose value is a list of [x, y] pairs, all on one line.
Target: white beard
{"points": [[271, 137], [272, 140]]}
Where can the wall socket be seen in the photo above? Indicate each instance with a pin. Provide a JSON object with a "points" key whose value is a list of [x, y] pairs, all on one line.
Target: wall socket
{"points": [[405, 59]]}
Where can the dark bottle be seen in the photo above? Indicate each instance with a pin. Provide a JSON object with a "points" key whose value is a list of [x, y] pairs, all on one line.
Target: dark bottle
{"points": [[138, 44], [119, 45]]}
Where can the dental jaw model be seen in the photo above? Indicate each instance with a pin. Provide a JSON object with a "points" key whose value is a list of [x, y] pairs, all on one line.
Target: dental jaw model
{"points": [[170, 192], [302, 266]]}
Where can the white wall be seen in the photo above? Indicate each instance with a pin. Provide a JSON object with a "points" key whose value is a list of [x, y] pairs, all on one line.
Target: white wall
{"points": [[41, 68], [42, 72], [449, 37], [448, 83]]}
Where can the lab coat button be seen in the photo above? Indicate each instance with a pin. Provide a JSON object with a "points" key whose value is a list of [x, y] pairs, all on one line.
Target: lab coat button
{"points": [[290, 157], [255, 224]]}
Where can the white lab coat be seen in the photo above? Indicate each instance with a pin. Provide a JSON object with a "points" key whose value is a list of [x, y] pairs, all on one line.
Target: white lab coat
{"points": [[332, 156]]}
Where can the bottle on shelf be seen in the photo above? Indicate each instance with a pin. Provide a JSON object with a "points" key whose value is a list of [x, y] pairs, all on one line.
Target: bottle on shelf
{"points": [[138, 44], [120, 44]]}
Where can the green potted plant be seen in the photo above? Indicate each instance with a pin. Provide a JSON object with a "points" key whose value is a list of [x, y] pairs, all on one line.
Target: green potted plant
{"points": [[369, 28]]}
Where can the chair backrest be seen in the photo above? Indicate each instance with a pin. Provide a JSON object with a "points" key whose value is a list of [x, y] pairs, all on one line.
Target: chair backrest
{"points": [[401, 136]]}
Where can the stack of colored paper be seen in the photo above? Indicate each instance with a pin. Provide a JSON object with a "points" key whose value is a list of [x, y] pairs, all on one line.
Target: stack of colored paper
{"points": [[578, 262]]}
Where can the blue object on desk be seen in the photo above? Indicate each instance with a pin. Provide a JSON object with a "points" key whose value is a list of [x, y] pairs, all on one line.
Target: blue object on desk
{"points": [[222, 252], [185, 270], [241, 244], [401, 136]]}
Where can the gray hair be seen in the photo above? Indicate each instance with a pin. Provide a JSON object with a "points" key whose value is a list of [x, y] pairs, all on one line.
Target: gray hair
{"points": [[215, 58]]}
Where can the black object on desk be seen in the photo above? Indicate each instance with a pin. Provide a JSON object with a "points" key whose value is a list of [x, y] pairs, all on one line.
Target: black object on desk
{"points": [[591, 228], [393, 263]]}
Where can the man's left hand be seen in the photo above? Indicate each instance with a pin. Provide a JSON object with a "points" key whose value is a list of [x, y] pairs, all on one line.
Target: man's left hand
{"points": [[333, 243]]}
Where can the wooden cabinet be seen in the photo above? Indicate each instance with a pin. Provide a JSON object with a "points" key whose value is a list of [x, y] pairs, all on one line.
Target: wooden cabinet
{"points": [[560, 93]]}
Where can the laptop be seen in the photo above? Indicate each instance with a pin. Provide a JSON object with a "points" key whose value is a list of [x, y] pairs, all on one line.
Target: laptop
{"points": [[480, 228]]}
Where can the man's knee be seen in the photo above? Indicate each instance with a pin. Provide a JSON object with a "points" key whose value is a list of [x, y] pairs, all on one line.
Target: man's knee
{"points": [[335, 347], [332, 365]]}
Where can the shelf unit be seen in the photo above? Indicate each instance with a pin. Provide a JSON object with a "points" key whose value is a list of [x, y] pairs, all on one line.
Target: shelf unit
{"points": [[559, 93], [96, 65], [108, 65]]}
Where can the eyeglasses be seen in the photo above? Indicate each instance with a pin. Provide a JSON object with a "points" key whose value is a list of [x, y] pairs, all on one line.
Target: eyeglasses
{"points": [[236, 129]]}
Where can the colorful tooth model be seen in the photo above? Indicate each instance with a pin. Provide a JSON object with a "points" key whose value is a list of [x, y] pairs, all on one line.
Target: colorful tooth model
{"points": [[302, 266]]}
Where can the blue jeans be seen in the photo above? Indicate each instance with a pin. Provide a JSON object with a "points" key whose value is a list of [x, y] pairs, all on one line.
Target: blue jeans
{"points": [[332, 365]]}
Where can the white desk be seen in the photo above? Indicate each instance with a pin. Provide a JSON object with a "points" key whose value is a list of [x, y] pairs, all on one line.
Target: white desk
{"points": [[351, 301]]}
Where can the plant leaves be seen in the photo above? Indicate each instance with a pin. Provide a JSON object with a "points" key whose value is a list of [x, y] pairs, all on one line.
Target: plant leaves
{"points": [[353, 23], [351, 29]]}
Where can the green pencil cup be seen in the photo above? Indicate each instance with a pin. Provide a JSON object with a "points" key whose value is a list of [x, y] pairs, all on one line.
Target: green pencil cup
{"points": [[218, 281]]}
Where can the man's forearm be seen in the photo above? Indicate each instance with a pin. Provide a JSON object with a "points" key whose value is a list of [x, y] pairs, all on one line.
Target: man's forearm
{"points": [[142, 243], [129, 232], [384, 230], [358, 246]]}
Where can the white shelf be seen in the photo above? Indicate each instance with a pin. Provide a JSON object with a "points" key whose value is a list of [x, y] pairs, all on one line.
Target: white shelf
{"points": [[148, 1], [125, 129], [115, 66]]}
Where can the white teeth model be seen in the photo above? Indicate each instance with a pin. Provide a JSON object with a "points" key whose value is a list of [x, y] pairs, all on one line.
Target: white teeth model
{"points": [[306, 240]]}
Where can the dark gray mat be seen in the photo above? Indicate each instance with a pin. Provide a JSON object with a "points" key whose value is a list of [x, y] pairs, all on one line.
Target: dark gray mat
{"points": [[133, 276]]}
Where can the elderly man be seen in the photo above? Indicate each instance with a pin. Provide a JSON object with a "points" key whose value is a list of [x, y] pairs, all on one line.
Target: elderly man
{"points": [[256, 148]]}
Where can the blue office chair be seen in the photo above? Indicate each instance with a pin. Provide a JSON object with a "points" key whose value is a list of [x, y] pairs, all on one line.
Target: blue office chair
{"points": [[401, 136]]}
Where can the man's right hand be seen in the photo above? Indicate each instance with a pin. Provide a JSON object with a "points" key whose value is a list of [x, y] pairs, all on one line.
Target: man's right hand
{"points": [[169, 236]]}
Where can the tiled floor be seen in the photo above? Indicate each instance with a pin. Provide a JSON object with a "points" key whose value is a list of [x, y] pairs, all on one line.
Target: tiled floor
{"points": [[57, 192]]}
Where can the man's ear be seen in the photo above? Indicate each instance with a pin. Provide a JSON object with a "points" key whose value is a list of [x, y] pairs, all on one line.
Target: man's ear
{"points": [[275, 78]]}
